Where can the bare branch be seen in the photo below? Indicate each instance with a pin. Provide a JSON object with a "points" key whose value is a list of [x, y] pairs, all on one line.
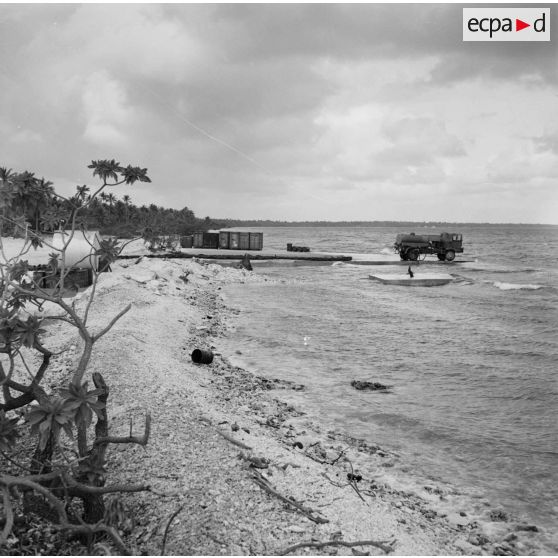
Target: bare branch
{"points": [[383, 545], [140, 440], [106, 185], [171, 518], [352, 481], [12, 384], [7, 481], [5, 378], [96, 280], [263, 483], [57, 504], [112, 322], [17, 402], [77, 488], [29, 393]]}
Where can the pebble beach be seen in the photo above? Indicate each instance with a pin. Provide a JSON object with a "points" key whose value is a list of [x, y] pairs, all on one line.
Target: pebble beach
{"points": [[242, 471]]}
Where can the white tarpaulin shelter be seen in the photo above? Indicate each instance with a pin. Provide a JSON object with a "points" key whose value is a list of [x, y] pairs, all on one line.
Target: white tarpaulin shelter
{"points": [[79, 252]]}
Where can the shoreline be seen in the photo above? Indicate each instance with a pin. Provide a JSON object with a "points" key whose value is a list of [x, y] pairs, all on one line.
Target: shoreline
{"points": [[467, 508], [205, 417]]}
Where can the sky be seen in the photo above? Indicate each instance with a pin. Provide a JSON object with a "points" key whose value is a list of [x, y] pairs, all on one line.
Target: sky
{"points": [[285, 111]]}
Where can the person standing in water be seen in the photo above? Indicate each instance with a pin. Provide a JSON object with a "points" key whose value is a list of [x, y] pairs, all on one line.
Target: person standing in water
{"points": [[410, 272]]}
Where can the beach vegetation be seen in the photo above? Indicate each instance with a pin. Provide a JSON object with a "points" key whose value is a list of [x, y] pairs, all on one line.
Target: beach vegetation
{"points": [[54, 439], [27, 201]]}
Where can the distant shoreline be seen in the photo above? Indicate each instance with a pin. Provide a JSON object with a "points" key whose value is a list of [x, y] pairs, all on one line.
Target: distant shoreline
{"points": [[231, 223]]}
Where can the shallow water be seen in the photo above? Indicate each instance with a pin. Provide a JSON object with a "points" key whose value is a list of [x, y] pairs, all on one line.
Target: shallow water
{"points": [[472, 364]]}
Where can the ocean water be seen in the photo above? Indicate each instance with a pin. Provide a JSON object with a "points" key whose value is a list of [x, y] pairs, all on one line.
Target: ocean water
{"points": [[473, 364]]}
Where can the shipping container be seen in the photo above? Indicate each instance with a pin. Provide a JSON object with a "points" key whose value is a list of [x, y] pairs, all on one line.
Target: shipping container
{"points": [[211, 240], [256, 241], [234, 240], [186, 241], [244, 241], [224, 239], [206, 240], [198, 240]]}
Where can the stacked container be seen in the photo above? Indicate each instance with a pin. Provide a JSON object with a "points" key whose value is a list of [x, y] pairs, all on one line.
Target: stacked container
{"points": [[206, 240], [256, 241], [187, 241], [229, 240], [223, 239], [244, 241], [234, 240]]}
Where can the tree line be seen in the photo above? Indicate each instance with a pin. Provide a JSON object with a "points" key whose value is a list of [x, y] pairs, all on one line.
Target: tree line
{"points": [[29, 201]]}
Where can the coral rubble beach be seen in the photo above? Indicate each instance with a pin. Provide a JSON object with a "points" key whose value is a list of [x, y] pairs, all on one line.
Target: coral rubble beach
{"points": [[228, 452]]}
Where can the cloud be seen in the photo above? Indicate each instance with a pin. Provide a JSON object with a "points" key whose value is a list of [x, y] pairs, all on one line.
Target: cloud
{"points": [[106, 110], [128, 40], [547, 142], [423, 138], [516, 169], [24, 136], [298, 110], [366, 144]]}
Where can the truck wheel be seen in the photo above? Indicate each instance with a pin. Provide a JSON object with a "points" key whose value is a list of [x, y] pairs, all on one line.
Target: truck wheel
{"points": [[413, 254], [450, 256], [441, 257]]}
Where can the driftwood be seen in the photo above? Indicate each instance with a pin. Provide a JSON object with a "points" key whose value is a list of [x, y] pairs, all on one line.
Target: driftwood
{"points": [[334, 483], [232, 440], [322, 461], [383, 545], [353, 479], [171, 519], [309, 513]]}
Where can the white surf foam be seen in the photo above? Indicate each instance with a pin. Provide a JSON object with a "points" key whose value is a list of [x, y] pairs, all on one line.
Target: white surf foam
{"points": [[515, 286]]}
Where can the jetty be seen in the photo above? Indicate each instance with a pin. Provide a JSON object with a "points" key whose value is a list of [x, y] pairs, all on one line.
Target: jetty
{"points": [[278, 254], [216, 254]]}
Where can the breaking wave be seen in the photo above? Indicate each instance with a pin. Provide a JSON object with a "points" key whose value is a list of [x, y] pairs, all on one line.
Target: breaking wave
{"points": [[515, 286]]}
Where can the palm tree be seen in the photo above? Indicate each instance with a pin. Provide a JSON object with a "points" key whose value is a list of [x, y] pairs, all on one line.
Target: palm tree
{"points": [[6, 176], [25, 195], [82, 191], [111, 199], [42, 200], [126, 199], [6, 183]]}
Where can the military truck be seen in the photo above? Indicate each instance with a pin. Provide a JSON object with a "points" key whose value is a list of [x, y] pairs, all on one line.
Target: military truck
{"points": [[444, 245]]}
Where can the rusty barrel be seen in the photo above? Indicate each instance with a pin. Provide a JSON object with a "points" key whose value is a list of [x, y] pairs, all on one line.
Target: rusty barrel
{"points": [[202, 356]]}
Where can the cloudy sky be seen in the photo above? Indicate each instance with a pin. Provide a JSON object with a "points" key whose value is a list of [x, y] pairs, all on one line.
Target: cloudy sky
{"points": [[285, 111]]}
